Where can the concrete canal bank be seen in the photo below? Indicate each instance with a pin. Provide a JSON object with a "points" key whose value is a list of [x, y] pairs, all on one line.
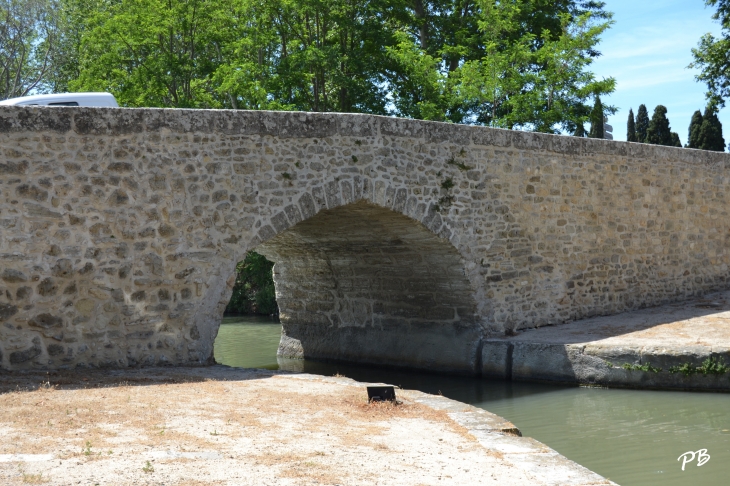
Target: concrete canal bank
{"points": [[683, 346], [220, 425]]}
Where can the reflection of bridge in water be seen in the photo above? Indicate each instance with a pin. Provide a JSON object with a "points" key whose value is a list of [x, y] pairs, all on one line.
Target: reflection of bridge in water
{"points": [[397, 242]]}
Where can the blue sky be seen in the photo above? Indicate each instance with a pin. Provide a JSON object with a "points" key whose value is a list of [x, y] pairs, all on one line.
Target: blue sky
{"points": [[647, 50]]}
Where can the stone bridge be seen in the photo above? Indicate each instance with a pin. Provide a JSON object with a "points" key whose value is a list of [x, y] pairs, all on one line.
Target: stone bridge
{"points": [[396, 242]]}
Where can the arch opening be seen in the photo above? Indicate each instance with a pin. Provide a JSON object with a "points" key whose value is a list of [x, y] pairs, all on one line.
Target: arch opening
{"points": [[362, 283]]}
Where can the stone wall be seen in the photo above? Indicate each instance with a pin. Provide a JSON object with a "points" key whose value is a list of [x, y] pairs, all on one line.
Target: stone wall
{"points": [[120, 230]]}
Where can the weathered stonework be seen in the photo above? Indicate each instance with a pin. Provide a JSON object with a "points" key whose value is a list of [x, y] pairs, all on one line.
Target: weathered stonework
{"points": [[397, 241]]}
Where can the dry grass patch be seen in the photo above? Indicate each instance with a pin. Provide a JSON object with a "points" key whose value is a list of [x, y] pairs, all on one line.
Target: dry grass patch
{"points": [[29, 478], [197, 413], [195, 482], [282, 429], [49, 418], [300, 466]]}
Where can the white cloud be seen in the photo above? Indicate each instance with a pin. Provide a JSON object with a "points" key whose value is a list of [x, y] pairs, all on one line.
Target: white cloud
{"points": [[648, 78]]}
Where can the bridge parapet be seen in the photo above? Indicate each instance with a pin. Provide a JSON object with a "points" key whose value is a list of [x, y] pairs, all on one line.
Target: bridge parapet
{"points": [[120, 228]]}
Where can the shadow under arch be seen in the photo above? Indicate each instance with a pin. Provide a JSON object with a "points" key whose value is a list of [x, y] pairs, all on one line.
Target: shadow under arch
{"points": [[363, 283]]}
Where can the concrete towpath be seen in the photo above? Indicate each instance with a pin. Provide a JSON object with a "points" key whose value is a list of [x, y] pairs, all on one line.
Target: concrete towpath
{"points": [[228, 426], [675, 346]]}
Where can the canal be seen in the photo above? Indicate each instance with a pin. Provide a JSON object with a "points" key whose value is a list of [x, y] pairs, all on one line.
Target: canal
{"points": [[633, 437]]}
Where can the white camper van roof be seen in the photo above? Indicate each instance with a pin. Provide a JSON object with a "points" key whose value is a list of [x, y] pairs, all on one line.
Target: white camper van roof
{"points": [[65, 99]]}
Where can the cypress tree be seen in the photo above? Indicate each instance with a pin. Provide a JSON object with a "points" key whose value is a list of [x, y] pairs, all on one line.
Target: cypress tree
{"points": [[676, 142], [631, 127], [694, 130], [597, 119], [659, 132], [642, 123], [580, 131], [710, 137]]}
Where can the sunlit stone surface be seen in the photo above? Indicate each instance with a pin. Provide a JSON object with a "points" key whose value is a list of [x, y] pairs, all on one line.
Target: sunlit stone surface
{"points": [[398, 242]]}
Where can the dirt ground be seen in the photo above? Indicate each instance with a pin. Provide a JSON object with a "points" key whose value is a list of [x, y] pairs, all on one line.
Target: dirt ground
{"points": [[213, 427]]}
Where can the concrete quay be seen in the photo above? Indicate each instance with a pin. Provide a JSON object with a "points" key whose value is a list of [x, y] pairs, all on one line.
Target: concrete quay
{"points": [[683, 346], [226, 426]]}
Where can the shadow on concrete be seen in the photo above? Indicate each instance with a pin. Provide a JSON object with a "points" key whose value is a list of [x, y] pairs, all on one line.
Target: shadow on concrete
{"points": [[23, 381], [467, 389]]}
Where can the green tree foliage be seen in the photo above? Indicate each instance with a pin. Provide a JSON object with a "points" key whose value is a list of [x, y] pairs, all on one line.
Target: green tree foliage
{"points": [[676, 142], [152, 52], [527, 74], [693, 139], [507, 63], [597, 119], [642, 123], [28, 44], [659, 132], [710, 134], [253, 292], [631, 127], [711, 56]]}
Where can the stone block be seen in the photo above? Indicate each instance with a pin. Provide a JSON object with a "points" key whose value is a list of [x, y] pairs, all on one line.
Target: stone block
{"points": [[496, 359]]}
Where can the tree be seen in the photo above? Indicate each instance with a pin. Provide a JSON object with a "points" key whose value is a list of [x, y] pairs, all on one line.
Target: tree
{"points": [[693, 138], [28, 39], [597, 119], [151, 53], [253, 292], [659, 132], [676, 142], [710, 133], [631, 127], [642, 123], [507, 63], [536, 80], [711, 57]]}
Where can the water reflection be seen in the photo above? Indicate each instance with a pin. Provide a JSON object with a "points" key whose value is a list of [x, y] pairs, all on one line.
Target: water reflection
{"points": [[632, 437], [248, 342]]}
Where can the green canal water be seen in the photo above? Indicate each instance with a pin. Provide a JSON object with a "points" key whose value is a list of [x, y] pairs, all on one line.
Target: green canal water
{"points": [[632, 437]]}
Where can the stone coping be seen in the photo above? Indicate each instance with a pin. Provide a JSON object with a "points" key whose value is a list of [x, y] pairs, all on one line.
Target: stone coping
{"points": [[497, 434], [286, 124], [634, 349]]}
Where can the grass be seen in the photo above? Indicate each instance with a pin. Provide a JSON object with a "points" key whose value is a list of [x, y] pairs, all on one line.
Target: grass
{"points": [[446, 201], [90, 420], [710, 366], [634, 367], [148, 467], [645, 367], [29, 478], [460, 165]]}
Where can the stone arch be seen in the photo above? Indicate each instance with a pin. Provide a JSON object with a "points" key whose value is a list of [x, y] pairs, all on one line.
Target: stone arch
{"points": [[368, 272], [120, 228]]}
